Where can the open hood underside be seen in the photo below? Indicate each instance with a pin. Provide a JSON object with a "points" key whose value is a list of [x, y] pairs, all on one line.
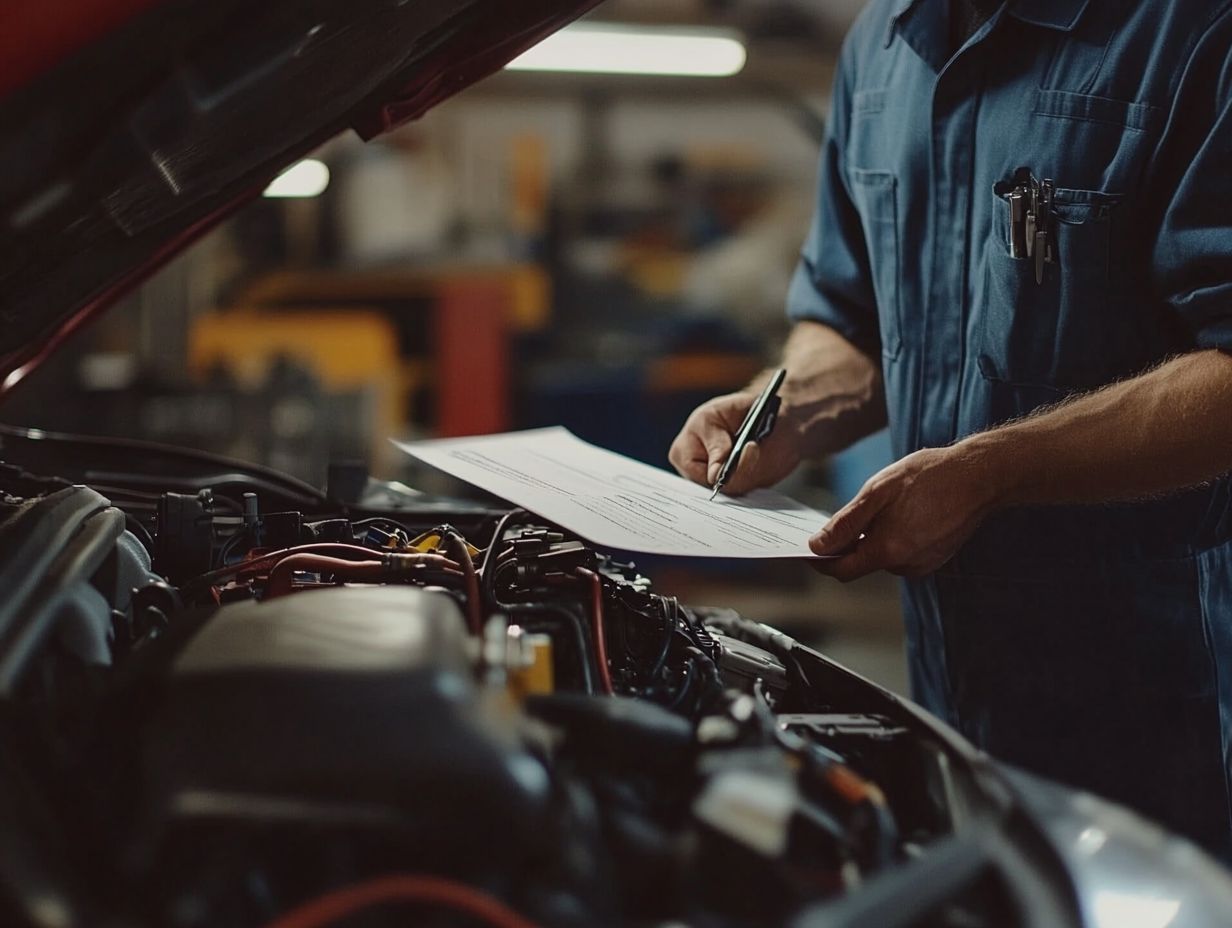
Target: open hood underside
{"points": [[121, 155]]}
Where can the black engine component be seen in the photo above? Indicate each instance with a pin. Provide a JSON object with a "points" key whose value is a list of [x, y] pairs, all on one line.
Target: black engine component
{"points": [[347, 702], [184, 545]]}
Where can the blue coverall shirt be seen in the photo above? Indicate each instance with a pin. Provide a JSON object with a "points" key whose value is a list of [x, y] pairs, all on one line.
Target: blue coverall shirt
{"points": [[1090, 644]]}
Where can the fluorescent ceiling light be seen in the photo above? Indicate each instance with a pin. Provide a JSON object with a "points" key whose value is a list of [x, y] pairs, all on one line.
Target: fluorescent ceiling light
{"points": [[602, 49], [307, 178]]}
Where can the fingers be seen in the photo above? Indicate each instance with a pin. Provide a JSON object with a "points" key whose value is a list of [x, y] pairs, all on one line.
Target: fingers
{"points": [[705, 441], [698, 453], [843, 538], [847, 525], [897, 524], [871, 555], [718, 444], [688, 455], [864, 560]]}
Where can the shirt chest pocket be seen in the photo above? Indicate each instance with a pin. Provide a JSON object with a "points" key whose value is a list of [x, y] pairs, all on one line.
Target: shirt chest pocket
{"points": [[875, 194], [1053, 333], [1088, 321]]}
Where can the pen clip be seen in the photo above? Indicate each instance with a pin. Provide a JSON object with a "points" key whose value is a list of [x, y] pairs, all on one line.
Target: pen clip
{"points": [[770, 415]]}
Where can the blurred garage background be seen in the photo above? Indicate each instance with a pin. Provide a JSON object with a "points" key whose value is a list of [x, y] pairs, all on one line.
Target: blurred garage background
{"points": [[552, 246]]}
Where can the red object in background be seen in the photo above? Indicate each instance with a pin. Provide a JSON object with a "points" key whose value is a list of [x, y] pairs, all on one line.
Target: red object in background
{"points": [[36, 35], [472, 358]]}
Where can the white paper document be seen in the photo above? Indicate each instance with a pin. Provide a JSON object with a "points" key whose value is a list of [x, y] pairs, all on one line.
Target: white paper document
{"points": [[617, 502]]}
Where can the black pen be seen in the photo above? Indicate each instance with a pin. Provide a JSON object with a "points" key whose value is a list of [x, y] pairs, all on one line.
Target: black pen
{"points": [[756, 426]]}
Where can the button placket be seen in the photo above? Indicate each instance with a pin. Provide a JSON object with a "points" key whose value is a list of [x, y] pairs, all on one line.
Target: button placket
{"points": [[954, 112]]}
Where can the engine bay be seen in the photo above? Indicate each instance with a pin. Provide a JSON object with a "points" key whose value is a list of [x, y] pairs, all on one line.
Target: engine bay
{"points": [[221, 711]]}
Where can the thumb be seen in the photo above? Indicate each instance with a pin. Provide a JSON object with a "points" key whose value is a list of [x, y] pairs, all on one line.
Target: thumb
{"points": [[846, 526], [744, 477]]}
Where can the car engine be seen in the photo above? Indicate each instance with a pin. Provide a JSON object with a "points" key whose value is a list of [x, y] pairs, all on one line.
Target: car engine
{"points": [[217, 710]]}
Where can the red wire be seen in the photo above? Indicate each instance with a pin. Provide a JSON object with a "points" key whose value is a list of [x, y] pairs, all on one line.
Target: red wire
{"points": [[597, 627], [424, 890], [283, 573], [330, 549]]}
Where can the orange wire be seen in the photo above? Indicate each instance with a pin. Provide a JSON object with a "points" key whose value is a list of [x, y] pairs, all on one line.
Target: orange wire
{"points": [[416, 889], [597, 627]]}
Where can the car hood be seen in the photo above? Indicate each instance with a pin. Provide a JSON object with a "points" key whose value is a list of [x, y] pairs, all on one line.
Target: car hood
{"points": [[134, 126]]}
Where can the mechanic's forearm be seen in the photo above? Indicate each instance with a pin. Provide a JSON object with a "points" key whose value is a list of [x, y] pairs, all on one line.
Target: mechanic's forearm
{"points": [[1166, 430], [833, 393]]}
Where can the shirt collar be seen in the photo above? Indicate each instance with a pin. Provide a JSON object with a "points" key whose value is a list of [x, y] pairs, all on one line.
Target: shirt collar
{"points": [[1062, 15], [899, 11]]}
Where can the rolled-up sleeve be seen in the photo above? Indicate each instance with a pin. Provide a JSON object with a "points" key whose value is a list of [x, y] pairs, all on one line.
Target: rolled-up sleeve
{"points": [[1192, 258], [832, 283]]}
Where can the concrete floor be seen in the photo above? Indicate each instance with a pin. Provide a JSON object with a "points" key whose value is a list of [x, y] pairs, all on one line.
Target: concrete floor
{"points": [[857, 624]]}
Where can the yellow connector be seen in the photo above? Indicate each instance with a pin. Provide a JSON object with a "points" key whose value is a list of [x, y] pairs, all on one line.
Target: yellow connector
{"points": [[429, 542], [532, 675]]}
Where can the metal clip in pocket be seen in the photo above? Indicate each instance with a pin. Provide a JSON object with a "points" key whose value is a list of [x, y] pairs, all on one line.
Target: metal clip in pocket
{"points": [[1031, 233]]}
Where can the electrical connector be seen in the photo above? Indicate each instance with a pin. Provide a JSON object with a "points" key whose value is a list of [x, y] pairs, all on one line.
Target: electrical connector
{"points": [[560, 559]]}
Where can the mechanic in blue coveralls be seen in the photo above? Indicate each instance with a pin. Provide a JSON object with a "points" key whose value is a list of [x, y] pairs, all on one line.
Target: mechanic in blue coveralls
{"points": [[1062, 418]]}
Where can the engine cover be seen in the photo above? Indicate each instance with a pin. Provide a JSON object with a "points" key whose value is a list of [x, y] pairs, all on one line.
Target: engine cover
{"points": [[341, 708]]}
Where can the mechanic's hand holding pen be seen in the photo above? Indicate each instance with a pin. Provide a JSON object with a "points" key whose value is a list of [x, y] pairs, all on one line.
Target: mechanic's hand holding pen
{"points": [[757, 425], [709, 450]]}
